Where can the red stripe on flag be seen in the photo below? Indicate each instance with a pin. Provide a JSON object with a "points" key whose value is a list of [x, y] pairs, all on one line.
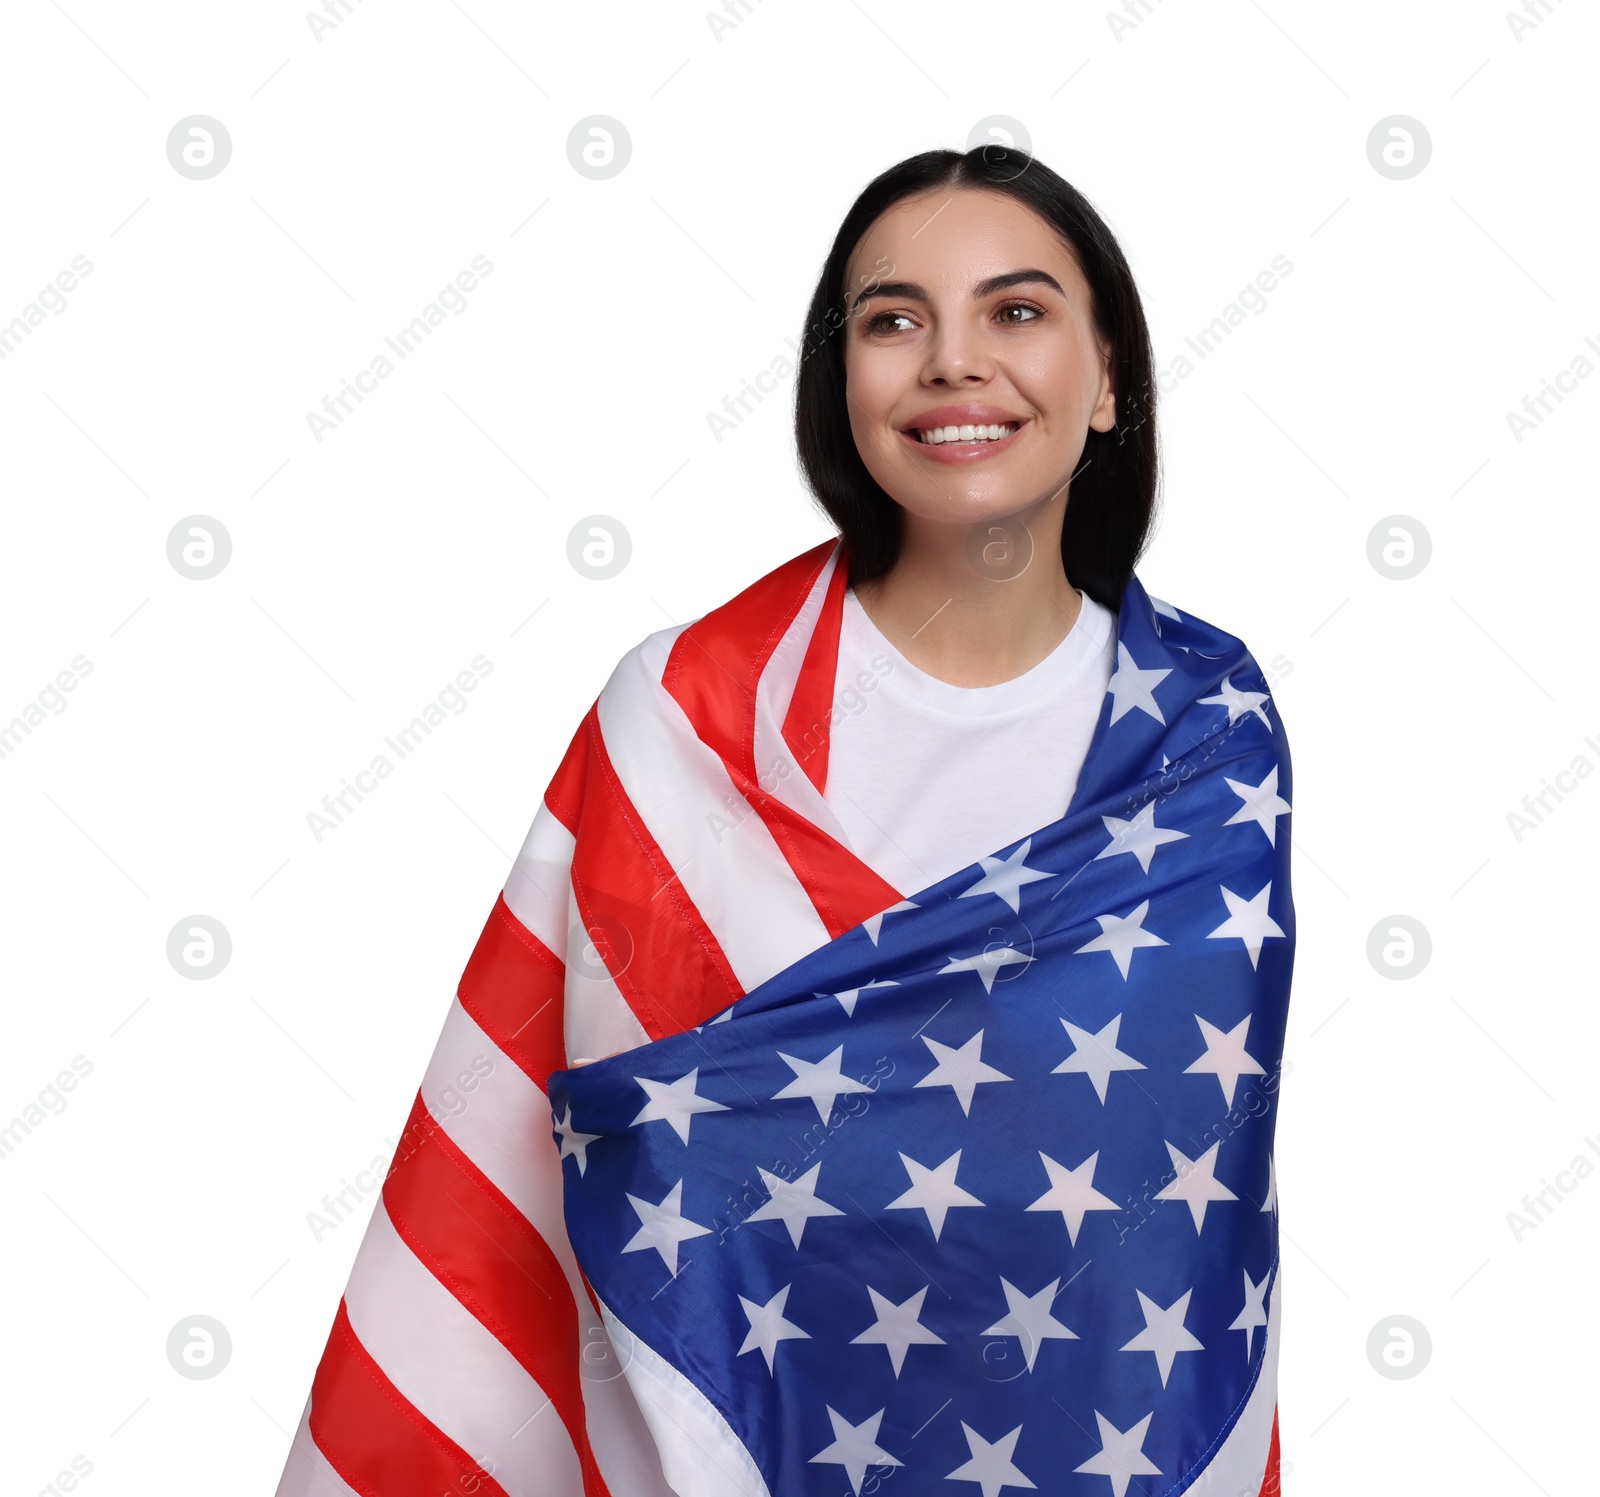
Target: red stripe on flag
{"points": [[808, 725], [512, 987], [1271, 1484], [658, 949], [564, 794], [374, 1438], [713, 669], [712, 673], [487, 1254]]}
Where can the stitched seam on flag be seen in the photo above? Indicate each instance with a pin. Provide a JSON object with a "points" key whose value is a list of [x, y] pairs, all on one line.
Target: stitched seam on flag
{"points": [[576, 1425], [1197, 1470], [781, 834], [564, 810], [410, 1414], [569, 1412], [789, 845], [758, 666], [687, 913], [526, 937], [812, 673], [478, 1011], [747, 689]]}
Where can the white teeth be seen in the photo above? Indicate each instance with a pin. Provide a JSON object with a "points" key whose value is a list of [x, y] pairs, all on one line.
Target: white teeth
{"points": [[991, 433]]}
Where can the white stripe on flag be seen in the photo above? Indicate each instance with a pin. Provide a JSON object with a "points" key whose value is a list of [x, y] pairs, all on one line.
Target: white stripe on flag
{"points": [[598, 1020], [503, 1126], [454, 1372], [618, 1432], [720, 849], [699, 1452], [536, 888]]}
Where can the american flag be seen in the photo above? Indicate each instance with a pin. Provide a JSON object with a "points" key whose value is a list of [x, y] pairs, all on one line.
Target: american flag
{"points": [[738, 1171]]}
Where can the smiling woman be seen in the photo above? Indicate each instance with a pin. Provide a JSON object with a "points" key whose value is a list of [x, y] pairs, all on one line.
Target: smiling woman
{"points": [[1016, 911]]}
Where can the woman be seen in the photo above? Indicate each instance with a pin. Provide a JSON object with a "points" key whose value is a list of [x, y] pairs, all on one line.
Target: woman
{"points": [[832, 1095]]}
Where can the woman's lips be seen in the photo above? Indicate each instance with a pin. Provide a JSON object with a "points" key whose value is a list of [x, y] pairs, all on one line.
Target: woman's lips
{"points": [[960, 453]]}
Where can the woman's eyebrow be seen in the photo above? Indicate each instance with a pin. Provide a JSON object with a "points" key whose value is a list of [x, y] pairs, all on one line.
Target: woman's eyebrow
{"points": [[911, 291]]}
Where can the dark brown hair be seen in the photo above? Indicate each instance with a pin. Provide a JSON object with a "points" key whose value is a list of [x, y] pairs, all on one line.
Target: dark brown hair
{"points": [[1112, 501]]}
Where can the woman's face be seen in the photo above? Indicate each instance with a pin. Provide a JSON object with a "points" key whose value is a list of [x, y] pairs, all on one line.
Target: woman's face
{"points": [[981, 318]]}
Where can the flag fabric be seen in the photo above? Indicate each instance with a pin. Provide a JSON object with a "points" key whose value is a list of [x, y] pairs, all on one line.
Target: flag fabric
{"points": [[738, 1172]]}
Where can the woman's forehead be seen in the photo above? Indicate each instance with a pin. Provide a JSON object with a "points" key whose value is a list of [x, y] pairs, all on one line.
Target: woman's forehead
{"points": [[950, 237]]}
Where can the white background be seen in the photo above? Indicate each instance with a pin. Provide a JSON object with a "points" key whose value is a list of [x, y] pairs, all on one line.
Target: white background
{"points": [[367, 170]]}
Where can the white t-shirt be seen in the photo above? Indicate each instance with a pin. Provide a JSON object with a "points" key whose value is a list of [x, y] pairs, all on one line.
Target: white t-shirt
{"points": [[928, 777]]}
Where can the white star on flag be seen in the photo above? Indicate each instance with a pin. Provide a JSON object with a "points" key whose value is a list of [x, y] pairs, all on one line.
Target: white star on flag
{"points": [[793, 1202], [1072, 1193], [873, 925], [933, 1190], [821, 1081], [1164, 1332], [1262, 804], [1006, 876], [1225, 1056], [1122, 935], [1096, 1055], [675, 1103], [960, 1069], [897, 1327], [768, 1327], [991, 1465], [1271, 1201], [855, 1447], [1121, 1455], [663, 1226], [1196, 1184], [1237, 702], [1131, 687], [847, 999], [1163, 607], [573, 1142], [987, 963], [1248, 920], [1254, 1313], [1029, 1319], [1141, 836]]}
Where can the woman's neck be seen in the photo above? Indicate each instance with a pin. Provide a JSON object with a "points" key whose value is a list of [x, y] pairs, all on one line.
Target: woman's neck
{"points": [[967, 623]]}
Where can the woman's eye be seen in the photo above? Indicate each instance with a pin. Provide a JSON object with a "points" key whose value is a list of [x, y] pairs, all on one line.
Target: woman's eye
{"points": [[874, 324], [1018, 306]]}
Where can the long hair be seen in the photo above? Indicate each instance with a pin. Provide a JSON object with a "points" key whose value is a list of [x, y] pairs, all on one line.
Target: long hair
{"points": [[1112, 499]]}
